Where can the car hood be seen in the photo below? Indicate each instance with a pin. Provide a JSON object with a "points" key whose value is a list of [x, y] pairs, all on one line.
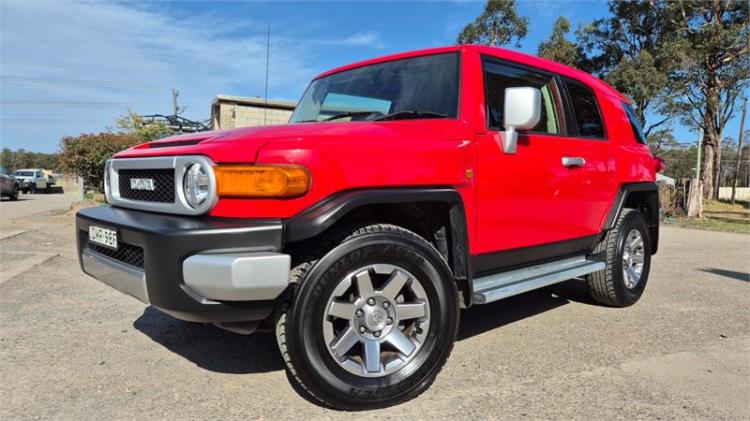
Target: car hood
{"points": [[243, 144]]}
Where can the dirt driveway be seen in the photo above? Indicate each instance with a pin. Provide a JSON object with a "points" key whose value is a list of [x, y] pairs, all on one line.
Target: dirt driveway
{"points": [[73, 348]]}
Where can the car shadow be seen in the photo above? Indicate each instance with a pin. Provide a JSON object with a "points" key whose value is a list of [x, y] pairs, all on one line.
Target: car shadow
{"points": [[54, 190], [209, 347], [740, 276], [479, 319], [220, 351]]}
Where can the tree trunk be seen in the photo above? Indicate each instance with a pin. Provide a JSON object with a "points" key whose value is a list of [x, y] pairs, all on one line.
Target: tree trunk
{"points": [[712, 137], [709, 158]]}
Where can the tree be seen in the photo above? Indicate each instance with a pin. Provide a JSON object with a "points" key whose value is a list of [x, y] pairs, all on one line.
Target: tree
{"points": [[86, 154], [21, 158], [711, 45], [498, 25], [662, 140], [629, 51], [558, 48], [133, 124]]}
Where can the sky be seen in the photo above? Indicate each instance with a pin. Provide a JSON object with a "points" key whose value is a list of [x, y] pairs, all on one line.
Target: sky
{"points": [[71, 67]]}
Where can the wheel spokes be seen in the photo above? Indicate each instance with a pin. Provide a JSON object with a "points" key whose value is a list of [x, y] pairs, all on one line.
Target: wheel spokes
{"points": [[375, 305], [401, 342], [410, 311], [342, 310], [372, 356], [345, 342], [364, 284], [394, 285]]}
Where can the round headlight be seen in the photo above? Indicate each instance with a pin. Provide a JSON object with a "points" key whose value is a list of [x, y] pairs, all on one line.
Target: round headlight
{"points": [[196, 185]]}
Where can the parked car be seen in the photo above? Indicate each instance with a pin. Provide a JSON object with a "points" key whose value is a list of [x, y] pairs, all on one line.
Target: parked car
{"points": [[33, 179], [8, 185], [404, 188]]}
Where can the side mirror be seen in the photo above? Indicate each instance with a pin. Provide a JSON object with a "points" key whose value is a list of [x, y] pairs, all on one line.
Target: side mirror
{"points": [[523, 109]]}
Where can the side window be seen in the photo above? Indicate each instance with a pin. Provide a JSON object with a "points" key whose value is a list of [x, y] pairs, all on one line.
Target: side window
{"points": [[635, 124], [588, 120], [38, 174], [498, 77]]}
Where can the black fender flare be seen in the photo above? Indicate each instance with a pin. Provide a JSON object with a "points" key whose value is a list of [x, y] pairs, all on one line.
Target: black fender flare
{"points": [[647, 194], [323, 215]]}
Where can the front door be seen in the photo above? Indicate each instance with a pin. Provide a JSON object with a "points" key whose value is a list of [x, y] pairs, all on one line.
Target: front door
{"points": [[535, 197]]}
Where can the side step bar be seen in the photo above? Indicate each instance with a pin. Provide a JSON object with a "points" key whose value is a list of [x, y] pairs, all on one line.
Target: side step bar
{"points": [[507, 284]]}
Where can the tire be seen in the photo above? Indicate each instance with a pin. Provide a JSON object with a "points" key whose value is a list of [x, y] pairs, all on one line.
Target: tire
{"points": [[352, 381], [612, 286], [14, 194]]}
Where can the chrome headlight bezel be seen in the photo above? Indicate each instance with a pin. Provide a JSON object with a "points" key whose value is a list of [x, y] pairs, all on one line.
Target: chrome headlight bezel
{"points": [[180, 165], [196, 185]]}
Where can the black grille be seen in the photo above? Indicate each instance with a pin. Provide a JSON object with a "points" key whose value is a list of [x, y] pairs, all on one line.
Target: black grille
{"points": [[163, 185], [125, 253]]}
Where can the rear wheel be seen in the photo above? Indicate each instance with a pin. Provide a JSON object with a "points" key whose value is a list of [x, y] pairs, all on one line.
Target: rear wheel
{"points": [[628, 256], [372, 322]]}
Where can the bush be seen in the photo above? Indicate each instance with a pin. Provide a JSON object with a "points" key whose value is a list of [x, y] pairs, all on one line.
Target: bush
{"points": [[86, 154]]}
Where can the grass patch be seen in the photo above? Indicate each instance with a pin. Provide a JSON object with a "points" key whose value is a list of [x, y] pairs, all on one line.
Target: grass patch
{"points": [[714, 224], [93, 196], [725, 206]]}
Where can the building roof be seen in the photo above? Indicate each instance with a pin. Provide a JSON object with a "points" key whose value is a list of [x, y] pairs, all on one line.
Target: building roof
{"points": [[256, 101]]}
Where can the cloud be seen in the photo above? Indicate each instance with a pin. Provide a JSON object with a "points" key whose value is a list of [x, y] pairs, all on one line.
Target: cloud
{"points": [[73, 66]]}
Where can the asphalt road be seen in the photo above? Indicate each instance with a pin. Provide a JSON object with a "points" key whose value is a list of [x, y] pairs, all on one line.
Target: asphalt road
{"points": [[72, 348]]}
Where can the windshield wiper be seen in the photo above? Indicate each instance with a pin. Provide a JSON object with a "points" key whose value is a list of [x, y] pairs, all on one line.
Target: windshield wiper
{"points": [[407, 114], [348, 114]]}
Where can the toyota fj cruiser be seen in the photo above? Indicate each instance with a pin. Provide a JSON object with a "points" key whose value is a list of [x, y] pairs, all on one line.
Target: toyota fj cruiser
{"points": [[404, 188]]}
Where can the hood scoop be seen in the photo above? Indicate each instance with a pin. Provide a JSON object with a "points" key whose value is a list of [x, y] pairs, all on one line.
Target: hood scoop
{"points": [[175, 143]]}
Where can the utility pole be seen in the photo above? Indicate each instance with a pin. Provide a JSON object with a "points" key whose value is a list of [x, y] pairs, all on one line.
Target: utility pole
{"points": [[698, 160], [739, 150], [268, 56], [175, 108]]}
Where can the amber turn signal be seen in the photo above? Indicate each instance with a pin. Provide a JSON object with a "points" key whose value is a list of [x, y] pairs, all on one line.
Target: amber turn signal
{"points": [[250, 181]]}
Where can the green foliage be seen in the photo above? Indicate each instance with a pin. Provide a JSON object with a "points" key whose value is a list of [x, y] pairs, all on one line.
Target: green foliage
{"points": [[630, 50], [135, 125], [86, 154], [558, 48], [21, 158], [498, 25], [711, 50]]}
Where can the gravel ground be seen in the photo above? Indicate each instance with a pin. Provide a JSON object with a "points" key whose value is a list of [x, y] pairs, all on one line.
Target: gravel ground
{"points": [[73, 348]]}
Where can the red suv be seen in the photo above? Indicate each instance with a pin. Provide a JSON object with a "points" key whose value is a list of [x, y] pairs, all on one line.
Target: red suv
{"points": [[404, 188]]}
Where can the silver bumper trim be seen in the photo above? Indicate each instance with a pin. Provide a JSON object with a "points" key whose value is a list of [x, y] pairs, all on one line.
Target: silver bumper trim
{"points": [[123, 278], [237, 276]]}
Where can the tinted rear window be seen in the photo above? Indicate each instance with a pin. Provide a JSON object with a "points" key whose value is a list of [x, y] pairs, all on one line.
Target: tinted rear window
{"points": [[588, 120], [635, 124]]}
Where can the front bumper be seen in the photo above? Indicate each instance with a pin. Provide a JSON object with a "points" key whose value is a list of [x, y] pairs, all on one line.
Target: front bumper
{"points": [[210, 270]]}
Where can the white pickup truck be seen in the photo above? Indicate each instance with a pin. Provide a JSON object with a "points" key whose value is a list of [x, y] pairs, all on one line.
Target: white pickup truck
{"points": [[33, 179]]}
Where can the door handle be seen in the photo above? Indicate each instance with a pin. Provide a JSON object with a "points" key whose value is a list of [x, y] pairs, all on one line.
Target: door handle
{"points": [[573, 161]]}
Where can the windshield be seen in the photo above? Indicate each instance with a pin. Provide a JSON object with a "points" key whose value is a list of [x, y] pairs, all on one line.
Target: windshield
{"points": [[419, 87], [24, 173]]}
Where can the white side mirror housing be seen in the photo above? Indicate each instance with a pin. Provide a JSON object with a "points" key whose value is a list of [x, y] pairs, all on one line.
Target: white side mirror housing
{"points": [[522, 111]]}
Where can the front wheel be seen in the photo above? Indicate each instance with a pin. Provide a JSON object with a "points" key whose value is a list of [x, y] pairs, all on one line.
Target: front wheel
{"points": [[14, 194], [372, 322], [627, 250]]}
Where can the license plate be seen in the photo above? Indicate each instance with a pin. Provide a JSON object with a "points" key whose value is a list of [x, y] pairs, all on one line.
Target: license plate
{"points": [[103, 236]]}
